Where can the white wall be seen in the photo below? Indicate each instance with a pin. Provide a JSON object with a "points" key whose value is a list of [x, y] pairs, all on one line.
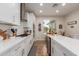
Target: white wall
{"points": [[71, 17], [59, 20]]}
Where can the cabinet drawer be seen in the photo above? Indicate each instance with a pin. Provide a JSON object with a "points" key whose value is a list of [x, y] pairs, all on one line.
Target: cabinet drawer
{"points": [[58, 46], [58, 49], [62, 50]]}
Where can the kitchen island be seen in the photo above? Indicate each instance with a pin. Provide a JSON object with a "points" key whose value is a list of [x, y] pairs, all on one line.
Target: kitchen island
{"points": [[63, 46]]}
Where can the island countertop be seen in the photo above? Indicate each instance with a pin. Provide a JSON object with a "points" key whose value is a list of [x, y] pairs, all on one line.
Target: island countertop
{"points": [[69, 43]]}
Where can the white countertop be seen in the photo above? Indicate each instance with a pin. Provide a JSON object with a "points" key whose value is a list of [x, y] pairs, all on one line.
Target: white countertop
{"points": [[69, 43], [9, 43]]}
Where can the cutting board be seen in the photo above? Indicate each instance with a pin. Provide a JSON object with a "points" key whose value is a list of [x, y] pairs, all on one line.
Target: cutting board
{"points": [[3, 34]]}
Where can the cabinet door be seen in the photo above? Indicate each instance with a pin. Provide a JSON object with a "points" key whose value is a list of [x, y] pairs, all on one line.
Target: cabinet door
{"points": [[26, 48], [6, 12], [16, 50], [26, 45], [58, 50], [9, 13], [16, 14], [30, 20], [20, 49]]}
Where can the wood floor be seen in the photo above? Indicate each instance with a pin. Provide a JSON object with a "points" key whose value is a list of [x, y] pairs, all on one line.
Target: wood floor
{"points": [[39, 49]]}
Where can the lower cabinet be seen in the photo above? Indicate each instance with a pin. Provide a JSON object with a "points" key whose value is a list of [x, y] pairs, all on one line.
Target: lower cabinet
{"points": [[20, 49], [15, 50], [28, 44], [58, 50]]}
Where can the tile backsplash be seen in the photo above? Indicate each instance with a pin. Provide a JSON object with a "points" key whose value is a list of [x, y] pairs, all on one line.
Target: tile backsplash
{"points": [[5, 27], [20, 29]]}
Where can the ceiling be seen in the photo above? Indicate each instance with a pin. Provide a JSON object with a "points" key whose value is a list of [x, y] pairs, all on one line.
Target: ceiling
{"points": [[49, 10]]}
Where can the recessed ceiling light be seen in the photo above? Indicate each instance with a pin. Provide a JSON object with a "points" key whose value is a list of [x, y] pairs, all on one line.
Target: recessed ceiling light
{"points": [[57, 11], [41, 11], [63, 4], [41, 4]]}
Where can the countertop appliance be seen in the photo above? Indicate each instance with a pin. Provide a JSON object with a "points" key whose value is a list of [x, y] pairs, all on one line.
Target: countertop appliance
{"points": [[14, 31]]}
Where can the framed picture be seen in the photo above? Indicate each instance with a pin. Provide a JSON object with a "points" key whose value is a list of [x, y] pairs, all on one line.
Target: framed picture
{"points": [[60, 26], [39, 27]]}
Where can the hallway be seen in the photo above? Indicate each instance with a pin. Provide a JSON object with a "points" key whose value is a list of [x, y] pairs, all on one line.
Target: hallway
{"points": [[38, 49]]}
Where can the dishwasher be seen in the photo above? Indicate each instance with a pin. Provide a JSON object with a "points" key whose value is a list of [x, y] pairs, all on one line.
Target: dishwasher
{"points": [[48, 43]]}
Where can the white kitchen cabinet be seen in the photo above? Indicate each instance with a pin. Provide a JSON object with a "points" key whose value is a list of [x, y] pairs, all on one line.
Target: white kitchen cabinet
{"points": [[55, 49], [59, 50], [26, 49], [16, 50], [68, 53], [10, 13], [28, 44], [16, 14], [30, 17], [27, 18], [19, 47]]}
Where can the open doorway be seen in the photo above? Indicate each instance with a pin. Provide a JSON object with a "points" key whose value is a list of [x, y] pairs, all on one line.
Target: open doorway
{"points": [[49, 26]]}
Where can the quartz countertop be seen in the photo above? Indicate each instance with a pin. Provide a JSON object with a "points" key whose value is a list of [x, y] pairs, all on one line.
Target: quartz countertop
{"points": [[69, 43]]}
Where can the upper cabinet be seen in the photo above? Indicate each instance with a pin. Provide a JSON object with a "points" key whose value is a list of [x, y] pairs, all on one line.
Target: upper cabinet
{"points": [[30, 17], [10, 13]]}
